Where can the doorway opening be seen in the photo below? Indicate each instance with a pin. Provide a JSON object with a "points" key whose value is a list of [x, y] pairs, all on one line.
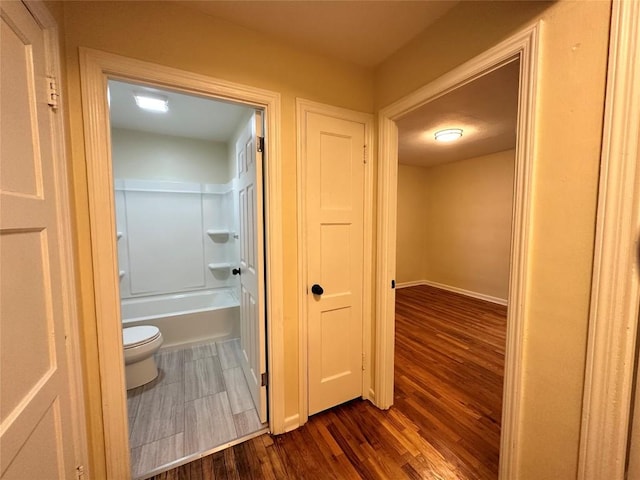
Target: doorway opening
{"points": [[188, 205], [455, 205], [257, 290], [523, 46]]}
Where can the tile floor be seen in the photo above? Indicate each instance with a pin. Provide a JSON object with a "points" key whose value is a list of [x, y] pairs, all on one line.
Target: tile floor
{"points": [[200, 400]]}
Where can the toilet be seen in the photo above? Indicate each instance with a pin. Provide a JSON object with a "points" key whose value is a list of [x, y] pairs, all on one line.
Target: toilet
{"points": [[140, 343]]}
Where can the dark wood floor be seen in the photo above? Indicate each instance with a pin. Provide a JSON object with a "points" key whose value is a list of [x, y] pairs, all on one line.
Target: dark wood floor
{"points": [[445, 423]]}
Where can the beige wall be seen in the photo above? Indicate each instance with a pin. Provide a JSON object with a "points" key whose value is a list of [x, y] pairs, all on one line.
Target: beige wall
{"points": [[170, 34], [149, 156], [411, 223], [566, 167], [469, 205], [454, 223], [567, 148], [462, 33]]}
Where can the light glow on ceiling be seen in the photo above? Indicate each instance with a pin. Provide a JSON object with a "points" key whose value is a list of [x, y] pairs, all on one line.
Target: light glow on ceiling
{"points": [[448, 135], [152, 103]]}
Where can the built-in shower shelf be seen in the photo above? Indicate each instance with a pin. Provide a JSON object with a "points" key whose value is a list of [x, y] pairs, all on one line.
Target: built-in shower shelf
{"points": [[221, 232], [118, 235], [121, 274], [219, 266]]}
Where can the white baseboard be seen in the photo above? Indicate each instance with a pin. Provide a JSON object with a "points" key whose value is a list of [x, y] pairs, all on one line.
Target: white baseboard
{"points": [[372, 396], [410, 284], [292, 422], [462, 291]]}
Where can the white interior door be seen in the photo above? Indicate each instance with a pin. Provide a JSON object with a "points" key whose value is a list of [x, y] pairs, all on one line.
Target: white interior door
{"points": [[252, 323], [334, 186], [36, 435]]}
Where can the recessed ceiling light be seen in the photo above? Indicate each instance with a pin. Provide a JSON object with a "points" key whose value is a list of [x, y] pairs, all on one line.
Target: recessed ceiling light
{"points": [[448, 135], [151, 102]]}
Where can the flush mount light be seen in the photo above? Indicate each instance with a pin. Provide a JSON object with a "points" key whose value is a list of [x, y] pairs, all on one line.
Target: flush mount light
{"points": [[151, 102], [448, 135]]}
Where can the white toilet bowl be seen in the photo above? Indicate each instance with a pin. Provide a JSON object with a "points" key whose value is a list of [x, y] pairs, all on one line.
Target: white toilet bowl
{"points": [[140, 343]]}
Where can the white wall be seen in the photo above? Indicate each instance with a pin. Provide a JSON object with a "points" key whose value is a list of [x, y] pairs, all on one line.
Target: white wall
{"points": [[169, 191], [148, 156]]}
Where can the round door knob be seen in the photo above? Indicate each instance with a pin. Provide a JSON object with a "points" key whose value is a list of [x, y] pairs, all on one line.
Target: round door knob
{"points": [[317, 289], [235, 271]]}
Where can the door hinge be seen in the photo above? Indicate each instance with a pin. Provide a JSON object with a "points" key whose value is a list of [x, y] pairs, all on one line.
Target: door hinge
{"points": [[80, 472], [264, 379], [53, 95], [261, 144], [365, 154], [363, 361]]}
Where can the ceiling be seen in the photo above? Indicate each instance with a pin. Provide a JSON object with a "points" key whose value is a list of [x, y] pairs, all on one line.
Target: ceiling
{"points": [[188, 116], [362, 32], [486, 109]]}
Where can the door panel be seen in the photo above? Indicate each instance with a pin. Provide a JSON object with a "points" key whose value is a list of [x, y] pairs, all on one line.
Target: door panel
{"points": [[35, 417], [252, 311], [334, 187]]}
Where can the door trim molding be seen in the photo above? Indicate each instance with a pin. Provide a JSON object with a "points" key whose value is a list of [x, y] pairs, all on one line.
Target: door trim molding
{"points": [[524, 44], [302, 108], [96, 67], [615, 292]]}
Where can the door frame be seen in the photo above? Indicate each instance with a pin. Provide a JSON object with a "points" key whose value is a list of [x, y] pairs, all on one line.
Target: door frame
{"points": [[303, 107], [524, 44], [615, 289], [96, 68]]}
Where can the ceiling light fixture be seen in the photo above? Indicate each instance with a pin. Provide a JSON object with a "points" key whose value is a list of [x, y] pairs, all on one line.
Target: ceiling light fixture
{"points": [[151, 102], [448, 135]]}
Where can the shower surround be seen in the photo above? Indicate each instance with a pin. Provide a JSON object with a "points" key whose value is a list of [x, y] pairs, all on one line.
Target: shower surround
{"points": [[176, 252]]}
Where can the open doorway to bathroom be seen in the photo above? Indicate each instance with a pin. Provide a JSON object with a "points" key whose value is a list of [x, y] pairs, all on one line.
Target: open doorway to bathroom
{"points": [[188, 206]]}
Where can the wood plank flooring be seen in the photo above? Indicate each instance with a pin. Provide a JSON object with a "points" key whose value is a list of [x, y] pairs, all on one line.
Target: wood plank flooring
{"points": [[445, 423], [200, 400]]}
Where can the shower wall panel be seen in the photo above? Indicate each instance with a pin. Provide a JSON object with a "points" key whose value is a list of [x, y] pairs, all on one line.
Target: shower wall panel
{"points": [[165, 241], [173, 237]]}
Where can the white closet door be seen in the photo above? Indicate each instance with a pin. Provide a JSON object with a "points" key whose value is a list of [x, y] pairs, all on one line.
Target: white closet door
{"points": [[334, 188]]}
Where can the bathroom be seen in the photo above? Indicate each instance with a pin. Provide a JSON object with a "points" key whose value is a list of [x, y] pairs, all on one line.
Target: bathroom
{"points": [[188, 203]]}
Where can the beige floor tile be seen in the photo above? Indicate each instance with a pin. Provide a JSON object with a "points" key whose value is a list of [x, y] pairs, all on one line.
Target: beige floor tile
{"points": [[209, 423], [202, 377], [247, 422], [237, 390], [194, 405], [133, 401], [200, 351], [156, 454], [229, 353], [170, 366], [160, 414]]}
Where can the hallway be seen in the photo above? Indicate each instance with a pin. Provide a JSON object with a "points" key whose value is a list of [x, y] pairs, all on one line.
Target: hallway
{"points": [[445, 422]]}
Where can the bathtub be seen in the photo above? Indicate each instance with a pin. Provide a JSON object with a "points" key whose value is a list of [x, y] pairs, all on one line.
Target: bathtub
{"points": [[185, 318]]}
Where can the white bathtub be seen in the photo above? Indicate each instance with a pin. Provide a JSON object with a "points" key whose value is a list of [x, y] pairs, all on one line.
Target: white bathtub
{"points": [[185, 318]]}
